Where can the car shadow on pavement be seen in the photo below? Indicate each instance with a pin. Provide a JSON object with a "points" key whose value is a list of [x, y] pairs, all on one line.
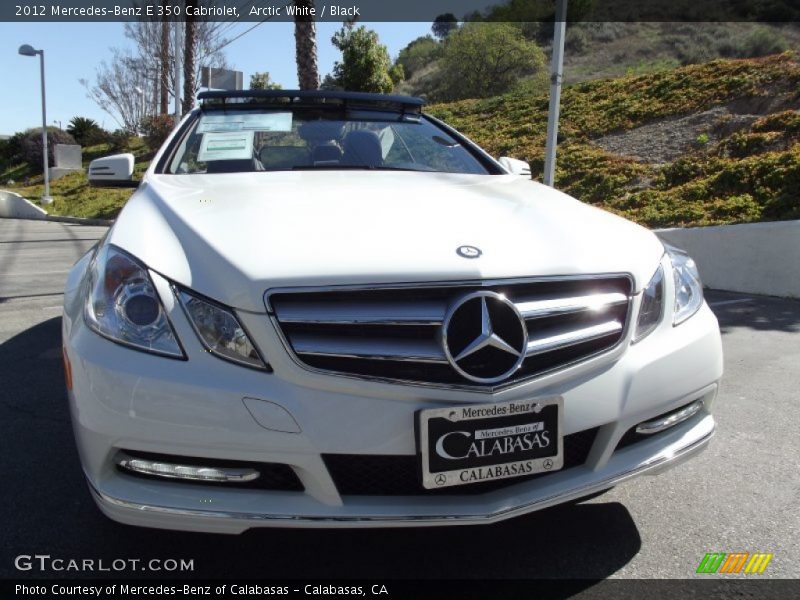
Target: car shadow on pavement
{"points": [[760, 313], [48, 510]]}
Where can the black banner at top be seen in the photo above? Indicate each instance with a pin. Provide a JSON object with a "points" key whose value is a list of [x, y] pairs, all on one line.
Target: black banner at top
{"points": [[398, 10]]}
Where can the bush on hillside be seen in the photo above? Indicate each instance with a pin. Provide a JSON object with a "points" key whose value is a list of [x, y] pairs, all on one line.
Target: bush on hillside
{"points": [[119, 140], [11, 149], [31, 145], [576, 40], [418, 54], [86, 131], [763, 42], [487, 59], [156, 128]]}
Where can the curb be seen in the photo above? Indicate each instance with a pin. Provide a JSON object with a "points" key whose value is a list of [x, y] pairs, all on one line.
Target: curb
{"points": [[14, 206], [79, 220], [59, 219]]}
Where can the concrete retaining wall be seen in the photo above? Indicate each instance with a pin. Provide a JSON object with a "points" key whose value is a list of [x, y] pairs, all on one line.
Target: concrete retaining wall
{"points": [[15, 206], [756, 258]]}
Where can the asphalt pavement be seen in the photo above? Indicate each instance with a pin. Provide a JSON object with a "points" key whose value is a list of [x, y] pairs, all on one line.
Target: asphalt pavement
{"points": [[741, 495]]}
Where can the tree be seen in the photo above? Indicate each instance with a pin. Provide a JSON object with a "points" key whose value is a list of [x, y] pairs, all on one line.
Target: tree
{"points": [[365, 64], [305, 40], [329, 83], [486, 59], [418, 54], [189, 40], [84, 130], [163, 67], [262, 81], [149, 66], [444, 24], [113, 90]]}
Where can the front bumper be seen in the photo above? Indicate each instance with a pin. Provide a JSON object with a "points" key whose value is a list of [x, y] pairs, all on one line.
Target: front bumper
{"points": [[127, 400], [240, 514]]}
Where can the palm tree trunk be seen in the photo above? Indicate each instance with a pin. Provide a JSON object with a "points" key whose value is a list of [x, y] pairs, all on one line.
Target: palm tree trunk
{"points": [[164, 68], [190, 33], [305, 37]]}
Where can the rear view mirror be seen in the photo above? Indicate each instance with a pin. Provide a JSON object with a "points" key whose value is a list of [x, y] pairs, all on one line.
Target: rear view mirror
{"points": [[112, 171], [514, 166]]}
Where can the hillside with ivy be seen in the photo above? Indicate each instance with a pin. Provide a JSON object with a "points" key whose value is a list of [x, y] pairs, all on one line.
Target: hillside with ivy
{"points": [[741, 163], [705, 144]]}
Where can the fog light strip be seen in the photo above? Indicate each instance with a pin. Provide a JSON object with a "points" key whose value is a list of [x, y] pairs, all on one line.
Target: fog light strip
{"points": [[670, 420], [195, 473]]}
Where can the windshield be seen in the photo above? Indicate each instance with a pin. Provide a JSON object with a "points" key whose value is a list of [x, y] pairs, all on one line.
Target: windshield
{"points": [[237, 141]]}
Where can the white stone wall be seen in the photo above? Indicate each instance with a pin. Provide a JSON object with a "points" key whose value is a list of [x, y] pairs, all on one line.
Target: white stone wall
{"points": [[755, 258]]}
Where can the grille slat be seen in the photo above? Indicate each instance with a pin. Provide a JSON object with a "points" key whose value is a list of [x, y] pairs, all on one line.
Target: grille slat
{"points": [[369, 348], [356, 313], [550, 307], [395, 332], [566, 339]]}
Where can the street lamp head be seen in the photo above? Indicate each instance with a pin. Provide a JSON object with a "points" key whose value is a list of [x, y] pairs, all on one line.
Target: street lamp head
{"points": [[27, 50]]}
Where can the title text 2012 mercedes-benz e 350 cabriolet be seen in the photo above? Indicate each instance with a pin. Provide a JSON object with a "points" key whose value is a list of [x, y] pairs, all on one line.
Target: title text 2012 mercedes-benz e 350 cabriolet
{"points": [[331, 309]]}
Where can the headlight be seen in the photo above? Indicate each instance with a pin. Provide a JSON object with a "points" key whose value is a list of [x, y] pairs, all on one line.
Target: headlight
{"points": [[220, 331], [123, 305], [652, 307], [688, 287]]}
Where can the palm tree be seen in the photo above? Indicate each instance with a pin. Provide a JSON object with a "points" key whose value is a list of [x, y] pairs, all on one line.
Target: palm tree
{"points": [[190, 33], [163, 60], [83, 129], [305, 38]]}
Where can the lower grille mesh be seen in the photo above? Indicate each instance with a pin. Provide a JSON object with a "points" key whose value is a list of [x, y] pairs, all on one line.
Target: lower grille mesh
{"points": [[384, 475]]}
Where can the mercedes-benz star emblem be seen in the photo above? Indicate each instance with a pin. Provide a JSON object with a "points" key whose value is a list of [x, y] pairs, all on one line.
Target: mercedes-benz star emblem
{"points": [[548, 464], [440, 479], [468, 251], [484, 337]]}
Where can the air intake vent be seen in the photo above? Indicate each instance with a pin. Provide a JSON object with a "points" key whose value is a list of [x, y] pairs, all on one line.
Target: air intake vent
{"points": [[378, 475], [484, 334]]}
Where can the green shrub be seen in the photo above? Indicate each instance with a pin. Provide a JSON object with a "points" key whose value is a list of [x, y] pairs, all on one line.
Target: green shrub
{"points": [[86, 131], [576, 41], [31, 145], [119, 140], [418, 54], [486, 59], [156, 128], [762, 42], [11, 149]]}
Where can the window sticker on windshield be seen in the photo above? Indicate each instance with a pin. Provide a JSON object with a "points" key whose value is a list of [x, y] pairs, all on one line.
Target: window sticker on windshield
{"points": [[271, 121], [235, 145]]}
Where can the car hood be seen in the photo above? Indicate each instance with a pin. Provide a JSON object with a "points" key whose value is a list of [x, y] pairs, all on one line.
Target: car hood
{"points": [[233, 236]]}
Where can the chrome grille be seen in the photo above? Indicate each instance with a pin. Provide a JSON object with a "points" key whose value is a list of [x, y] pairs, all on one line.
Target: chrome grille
{"points": [[395, 332]]}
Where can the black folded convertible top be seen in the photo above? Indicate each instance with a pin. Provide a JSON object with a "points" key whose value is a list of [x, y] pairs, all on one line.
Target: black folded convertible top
{"points": [[318, 98]]}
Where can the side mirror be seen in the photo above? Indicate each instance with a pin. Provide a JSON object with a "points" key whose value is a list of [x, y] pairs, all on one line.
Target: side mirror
{"points": [[514, 166], [112, 171]]}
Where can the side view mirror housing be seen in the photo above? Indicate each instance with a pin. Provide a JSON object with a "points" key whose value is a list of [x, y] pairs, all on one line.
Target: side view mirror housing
{"points": [[112, 171], [514, 166]]}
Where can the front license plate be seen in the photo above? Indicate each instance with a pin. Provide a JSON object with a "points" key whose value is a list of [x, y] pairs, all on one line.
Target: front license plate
{"points": [[477, 443]]}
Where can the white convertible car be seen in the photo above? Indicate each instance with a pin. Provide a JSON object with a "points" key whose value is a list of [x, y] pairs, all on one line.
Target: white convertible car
{"points": [[329, 309]]}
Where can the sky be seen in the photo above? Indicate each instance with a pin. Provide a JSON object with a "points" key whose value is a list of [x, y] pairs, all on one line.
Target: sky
{"points": [[74, 50]]}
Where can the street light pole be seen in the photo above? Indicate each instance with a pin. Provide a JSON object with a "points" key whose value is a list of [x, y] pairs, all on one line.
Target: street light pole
{"points": [[27, 50], [556, 75]]}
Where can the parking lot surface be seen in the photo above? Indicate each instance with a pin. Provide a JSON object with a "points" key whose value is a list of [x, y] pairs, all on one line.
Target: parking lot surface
{"points": [[741, 495]]}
